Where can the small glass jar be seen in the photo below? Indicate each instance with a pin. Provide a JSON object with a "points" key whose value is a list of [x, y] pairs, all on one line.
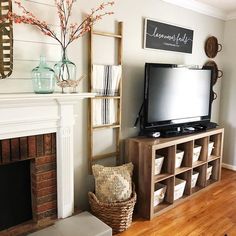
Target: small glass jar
{"points": [[43, 78]]}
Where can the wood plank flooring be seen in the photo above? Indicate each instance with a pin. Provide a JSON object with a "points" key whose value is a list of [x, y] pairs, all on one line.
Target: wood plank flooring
{"points": [[211, 212]]}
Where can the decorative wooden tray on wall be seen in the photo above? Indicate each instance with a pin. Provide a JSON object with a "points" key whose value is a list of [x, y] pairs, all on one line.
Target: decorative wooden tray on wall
{"points": [[212, 47], [216, 73], [6, 41]]}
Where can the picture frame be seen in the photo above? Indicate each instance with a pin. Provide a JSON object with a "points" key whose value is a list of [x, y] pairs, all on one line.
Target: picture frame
{"points": [[163, 36]]}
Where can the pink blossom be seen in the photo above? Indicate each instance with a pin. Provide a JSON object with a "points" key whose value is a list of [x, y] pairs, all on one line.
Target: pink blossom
{"points": [[69, 31]]}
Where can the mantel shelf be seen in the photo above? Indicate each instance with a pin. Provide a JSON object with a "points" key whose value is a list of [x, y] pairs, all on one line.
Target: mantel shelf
{"points": [[33, 96]]}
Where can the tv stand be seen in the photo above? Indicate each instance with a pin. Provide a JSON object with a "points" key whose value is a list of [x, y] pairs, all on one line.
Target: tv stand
{"points": [[142, 153]]}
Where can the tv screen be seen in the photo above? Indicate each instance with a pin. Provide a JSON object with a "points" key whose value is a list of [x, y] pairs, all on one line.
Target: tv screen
{"points": [[176, 95]]}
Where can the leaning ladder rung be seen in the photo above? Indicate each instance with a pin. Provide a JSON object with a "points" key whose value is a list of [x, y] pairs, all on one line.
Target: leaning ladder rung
{"points": [[104, 156], [114, 126], [106, 97], [107, 34]]}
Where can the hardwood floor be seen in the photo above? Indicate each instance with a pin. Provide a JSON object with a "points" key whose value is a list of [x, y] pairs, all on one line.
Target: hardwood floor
{"points": [[211, 212]]}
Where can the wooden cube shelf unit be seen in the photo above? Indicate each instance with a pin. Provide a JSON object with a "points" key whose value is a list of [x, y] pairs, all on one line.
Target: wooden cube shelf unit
{"points": [[142, 152]]}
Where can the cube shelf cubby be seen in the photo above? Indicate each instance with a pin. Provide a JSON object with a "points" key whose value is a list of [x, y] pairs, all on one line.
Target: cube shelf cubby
{"points": [[215, 175], [201, 180], [142, 153], [186, 164], [168, 199], [167, 169]]}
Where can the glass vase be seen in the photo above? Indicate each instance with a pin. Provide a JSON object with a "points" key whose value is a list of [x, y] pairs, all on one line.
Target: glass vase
{"points": [[65, 71], [43, 78]]}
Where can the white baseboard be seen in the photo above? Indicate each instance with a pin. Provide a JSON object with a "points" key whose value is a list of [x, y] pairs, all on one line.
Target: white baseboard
{"points": [[229, 167]]}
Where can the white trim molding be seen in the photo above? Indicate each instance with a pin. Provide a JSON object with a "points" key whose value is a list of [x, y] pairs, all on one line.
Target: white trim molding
{"points": [[34, 114], [229, 167], [200, 8], [231, 16]]}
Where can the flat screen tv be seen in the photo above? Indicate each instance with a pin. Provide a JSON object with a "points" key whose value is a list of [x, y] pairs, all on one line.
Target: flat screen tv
{"points": [[176, 97]]}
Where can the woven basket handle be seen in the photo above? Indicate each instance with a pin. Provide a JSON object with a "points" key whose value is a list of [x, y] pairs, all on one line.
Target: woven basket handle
{"points": [[92, 195]]}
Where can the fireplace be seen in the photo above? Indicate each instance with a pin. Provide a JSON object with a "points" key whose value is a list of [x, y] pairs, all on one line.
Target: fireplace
{"points": [[28, 181], [27, 123], [15, 197]]}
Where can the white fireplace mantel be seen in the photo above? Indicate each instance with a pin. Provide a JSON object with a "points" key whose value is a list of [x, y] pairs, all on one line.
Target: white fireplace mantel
{"points": [[33, 114]]}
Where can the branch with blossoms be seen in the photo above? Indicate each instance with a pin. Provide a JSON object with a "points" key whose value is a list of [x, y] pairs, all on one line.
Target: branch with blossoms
{"points": [[69, 31]]}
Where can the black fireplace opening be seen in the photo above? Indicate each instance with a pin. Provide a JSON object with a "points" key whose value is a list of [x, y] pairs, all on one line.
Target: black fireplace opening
{"points": [[15, 194]]}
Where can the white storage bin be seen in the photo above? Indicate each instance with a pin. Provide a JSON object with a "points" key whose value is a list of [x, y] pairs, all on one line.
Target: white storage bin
{"points": [[209, 172], [210, 148], [196, 152], [194, 178], [179, 188], [158, 164], [178, 158], [159, 193]]}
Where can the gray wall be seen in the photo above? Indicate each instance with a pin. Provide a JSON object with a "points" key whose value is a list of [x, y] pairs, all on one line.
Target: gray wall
{"points": [[228, 111]]}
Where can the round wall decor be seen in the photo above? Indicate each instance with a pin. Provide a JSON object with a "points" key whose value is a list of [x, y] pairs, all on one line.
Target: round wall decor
{"points": [[212, 47], [216, 73]]}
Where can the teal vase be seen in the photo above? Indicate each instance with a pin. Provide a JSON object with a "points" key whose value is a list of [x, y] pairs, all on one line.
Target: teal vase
{"points": [[43, 78], [65, 71]]}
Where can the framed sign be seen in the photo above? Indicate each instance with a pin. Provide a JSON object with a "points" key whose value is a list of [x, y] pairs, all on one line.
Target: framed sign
{"points": [[163, 36]]}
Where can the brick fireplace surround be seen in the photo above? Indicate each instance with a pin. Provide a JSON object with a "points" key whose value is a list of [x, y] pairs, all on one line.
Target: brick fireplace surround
{"points": [[40, 128], [41, 151]]}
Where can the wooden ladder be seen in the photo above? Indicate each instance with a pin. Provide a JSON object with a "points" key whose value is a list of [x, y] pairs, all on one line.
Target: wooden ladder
{"points": [[91, 128]]}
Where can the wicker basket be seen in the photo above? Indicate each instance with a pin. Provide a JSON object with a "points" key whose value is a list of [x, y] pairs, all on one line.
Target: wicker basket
{"points": [[117, 215]]}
